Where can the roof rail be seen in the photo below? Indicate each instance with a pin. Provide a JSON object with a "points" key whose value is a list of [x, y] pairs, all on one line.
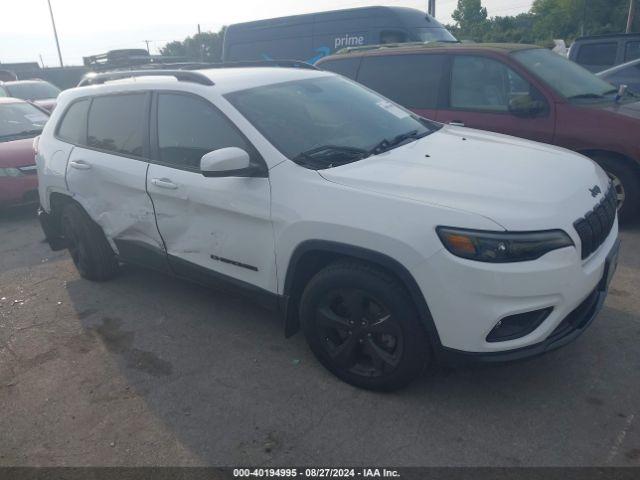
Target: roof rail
{"points": [[262, 63], [180, 75]]}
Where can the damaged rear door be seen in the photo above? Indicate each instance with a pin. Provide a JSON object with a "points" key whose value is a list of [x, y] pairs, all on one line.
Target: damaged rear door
{"points": [[214, 229], [107, 174]]}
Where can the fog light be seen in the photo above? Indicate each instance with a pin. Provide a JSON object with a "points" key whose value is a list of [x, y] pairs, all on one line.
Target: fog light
{"points": [[516, 326]]}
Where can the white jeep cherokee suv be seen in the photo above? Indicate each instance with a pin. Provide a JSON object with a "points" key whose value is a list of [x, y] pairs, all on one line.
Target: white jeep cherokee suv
{"points": [[389, 238]]}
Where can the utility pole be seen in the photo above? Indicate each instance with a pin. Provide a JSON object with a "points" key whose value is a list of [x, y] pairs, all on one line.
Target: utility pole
{"points": [[55, 33], [432, 8], [584, 17], [632, 12]]}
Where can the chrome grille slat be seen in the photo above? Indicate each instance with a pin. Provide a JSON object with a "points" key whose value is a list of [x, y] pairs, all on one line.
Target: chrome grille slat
{"points": [[594, 228]]}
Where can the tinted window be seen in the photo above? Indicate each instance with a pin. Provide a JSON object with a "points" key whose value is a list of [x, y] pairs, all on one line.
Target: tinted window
{"points": [[189, 127], [392, 36], [566, 77], [305, 115], [481, 83], [2, 92], [74, 123], [117, 123], [410, 80], [347, 66], [632, 51], [598, 54]]}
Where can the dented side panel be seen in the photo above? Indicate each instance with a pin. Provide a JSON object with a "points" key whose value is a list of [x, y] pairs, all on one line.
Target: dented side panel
{"points": [[221, 224], [112, 189]]}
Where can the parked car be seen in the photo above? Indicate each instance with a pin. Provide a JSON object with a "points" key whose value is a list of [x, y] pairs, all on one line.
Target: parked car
{"points": [[20, 122], [601, 52], [388, 236], [312, 36], [518, 90], [626, 74], [39, 92]]}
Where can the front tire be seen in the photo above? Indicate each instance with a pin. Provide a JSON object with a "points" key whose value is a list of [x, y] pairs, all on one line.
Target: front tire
{"points": [[626, 181], [363, 327], [87, 245]]}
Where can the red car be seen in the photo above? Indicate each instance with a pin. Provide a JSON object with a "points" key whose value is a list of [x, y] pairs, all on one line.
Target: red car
{"points": [[20, 123], [40, 92], [519, 90]]}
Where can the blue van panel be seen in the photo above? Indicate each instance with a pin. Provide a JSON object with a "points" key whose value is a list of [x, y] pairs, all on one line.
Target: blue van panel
{"points": [[312, 36]]}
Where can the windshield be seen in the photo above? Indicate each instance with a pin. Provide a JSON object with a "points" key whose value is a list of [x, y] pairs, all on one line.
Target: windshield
{"points": [[329, 118], [433, 35], [33, 90], [20, 120], [566, 77]]}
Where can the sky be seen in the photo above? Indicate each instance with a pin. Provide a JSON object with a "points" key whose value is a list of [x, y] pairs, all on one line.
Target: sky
{"points": [[88, 27]]}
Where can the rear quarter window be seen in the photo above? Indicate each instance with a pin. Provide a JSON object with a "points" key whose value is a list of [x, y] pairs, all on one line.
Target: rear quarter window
{"points": [[413, 81], [598, 55], [632, 51]]}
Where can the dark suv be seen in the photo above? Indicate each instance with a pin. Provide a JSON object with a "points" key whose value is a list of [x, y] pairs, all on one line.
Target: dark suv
{"points": [[519, 90], [601, 52]]}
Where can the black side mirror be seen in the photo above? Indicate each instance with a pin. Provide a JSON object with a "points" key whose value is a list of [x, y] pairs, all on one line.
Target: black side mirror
{"points": [[526, 107]]}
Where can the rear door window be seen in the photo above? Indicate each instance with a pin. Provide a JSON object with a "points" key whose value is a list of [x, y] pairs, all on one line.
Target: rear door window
{"points": [[118, 124], [632, 51], [73, 127], [598, 56], [346, 66], [413, 81]]}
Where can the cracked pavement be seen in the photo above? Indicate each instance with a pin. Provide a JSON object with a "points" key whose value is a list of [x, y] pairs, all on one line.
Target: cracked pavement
{"points": [[150, 370]]}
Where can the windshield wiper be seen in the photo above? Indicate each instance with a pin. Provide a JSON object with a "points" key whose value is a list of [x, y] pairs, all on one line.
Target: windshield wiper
{"points": [[328, 156], [387, 144], [586, 95]]}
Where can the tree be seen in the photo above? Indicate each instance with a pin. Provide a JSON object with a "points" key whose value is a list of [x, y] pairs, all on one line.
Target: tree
{"points": [[205, 47], [471, 19], [568, 19]]}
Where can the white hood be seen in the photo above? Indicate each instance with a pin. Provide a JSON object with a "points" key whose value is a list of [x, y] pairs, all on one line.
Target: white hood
{"points": [[519, 184]]}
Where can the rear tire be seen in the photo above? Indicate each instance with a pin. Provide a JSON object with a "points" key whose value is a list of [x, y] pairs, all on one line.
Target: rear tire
{"points": [[363, 327], [87, 245], [626, 180]]}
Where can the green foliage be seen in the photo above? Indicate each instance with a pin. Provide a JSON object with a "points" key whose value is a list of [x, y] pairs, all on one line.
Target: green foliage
{"points": [[547, 20], [205, 46]]}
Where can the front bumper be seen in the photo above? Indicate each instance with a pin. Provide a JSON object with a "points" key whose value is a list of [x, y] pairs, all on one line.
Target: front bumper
{"points": [[569, 329], [467, 299]]}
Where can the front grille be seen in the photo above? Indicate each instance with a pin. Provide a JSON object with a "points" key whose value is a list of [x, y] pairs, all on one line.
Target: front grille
{"points": [[596, 225]]}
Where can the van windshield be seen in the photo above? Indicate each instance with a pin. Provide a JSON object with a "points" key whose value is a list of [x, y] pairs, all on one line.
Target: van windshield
{"points": [[434, 35], [327, 121], [566, 77]]}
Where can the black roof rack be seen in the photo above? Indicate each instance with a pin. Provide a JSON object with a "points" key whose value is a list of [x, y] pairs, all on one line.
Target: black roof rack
{"points": [[180, 75]]}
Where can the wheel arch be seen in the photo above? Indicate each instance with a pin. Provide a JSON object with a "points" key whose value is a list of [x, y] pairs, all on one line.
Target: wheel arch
{"points": [[592, 153], [311, 256]]}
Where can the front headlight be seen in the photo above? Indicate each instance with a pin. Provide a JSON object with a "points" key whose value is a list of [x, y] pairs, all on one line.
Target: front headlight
{"points": [[10, 172], [502, 247]]}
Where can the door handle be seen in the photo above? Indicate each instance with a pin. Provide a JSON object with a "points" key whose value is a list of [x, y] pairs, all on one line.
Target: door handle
{"points": [[80, 165], [457, 123], [164, 183]]}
